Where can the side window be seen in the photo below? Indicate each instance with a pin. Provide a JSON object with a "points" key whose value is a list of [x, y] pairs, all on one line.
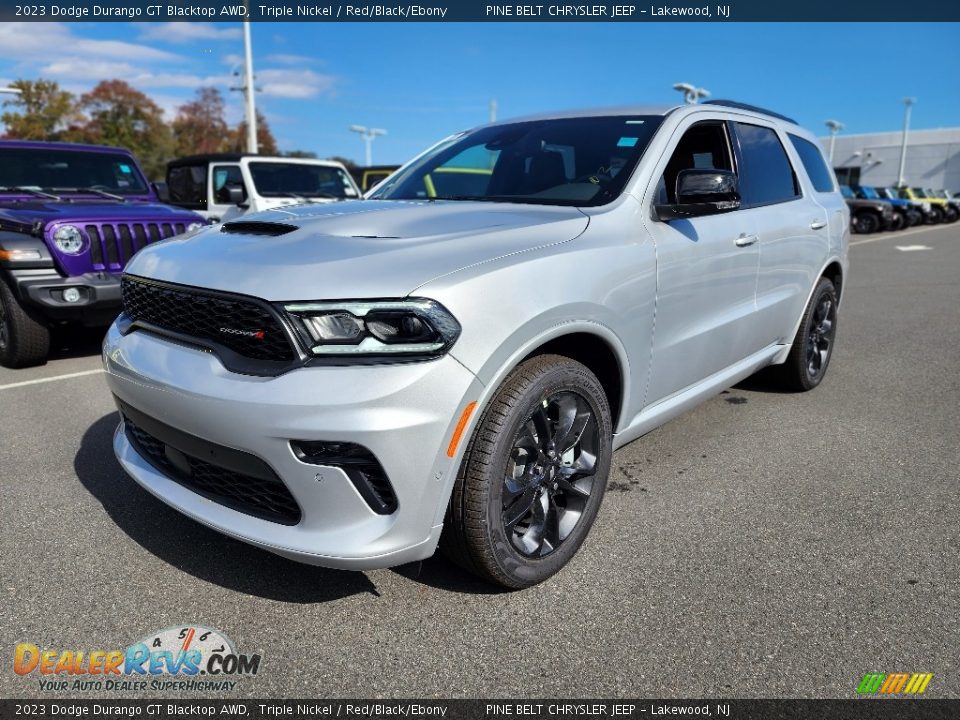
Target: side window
{"points": [[766, 176], [813, 163], [704, 145], [224, 178], [188, 185]]}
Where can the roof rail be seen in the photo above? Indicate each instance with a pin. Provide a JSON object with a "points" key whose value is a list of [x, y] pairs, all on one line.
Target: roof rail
{"points": [[753, 108]]}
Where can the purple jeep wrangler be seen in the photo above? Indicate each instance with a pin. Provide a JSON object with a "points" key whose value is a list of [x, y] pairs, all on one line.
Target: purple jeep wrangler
{"points": [[71, 216]]}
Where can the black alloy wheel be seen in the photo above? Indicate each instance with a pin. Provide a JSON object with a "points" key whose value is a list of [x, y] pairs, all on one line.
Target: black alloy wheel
{"points": [[550, 474]]}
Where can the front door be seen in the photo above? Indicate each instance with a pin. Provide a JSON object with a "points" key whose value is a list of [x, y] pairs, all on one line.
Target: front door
{"points": [[706, 274]]}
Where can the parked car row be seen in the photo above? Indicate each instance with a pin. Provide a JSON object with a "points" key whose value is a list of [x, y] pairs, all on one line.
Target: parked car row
{"points": [[873, 209]]}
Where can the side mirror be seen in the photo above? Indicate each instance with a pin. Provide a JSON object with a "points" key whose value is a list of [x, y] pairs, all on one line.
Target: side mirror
{"points": [[702, 192], [162, 190], [235, 194]]}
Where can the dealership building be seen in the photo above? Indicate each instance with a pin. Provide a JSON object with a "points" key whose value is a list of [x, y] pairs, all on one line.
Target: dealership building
{"points": [[933, 158]]}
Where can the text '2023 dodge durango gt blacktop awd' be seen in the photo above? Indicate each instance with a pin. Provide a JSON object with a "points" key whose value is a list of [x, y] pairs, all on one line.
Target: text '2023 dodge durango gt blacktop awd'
{"points": [[353, 385]]}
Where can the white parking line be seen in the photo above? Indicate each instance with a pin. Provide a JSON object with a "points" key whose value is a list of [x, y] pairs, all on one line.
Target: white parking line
{"points": [[38, 381], [896, 235]]}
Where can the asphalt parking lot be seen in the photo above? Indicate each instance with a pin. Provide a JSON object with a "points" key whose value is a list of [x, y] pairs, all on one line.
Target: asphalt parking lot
{"points": [[764, 545]]}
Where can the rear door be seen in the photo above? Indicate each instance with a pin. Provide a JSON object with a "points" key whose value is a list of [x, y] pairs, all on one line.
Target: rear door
{"points": [[792, 229]]}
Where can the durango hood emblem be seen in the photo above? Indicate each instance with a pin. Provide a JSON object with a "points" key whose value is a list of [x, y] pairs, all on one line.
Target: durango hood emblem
{"points": [[258, 334]]}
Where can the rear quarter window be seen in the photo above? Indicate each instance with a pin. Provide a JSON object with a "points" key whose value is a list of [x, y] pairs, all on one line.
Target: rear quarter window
{"points": [[813, 163]]}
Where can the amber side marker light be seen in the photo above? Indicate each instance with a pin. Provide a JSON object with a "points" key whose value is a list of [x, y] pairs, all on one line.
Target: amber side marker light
{"points": [[461, 426]]}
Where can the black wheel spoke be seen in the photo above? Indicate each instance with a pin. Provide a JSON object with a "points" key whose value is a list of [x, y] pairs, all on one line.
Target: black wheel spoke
{"points": [[574, 417], [519, 508], [577, 489], [550, 540], [542, 424]]}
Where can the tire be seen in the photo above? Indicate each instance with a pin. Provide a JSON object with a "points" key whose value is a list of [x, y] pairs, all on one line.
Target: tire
{"points": [[866, 223], [520, 509], [24, 339], [935, 217], [950, 215], [812, 348], [899, 222]]}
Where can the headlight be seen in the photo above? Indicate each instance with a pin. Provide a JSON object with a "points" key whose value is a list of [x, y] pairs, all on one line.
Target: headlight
{"points": [[68, 239], [194, 226], [386, 328], [925, 206]]}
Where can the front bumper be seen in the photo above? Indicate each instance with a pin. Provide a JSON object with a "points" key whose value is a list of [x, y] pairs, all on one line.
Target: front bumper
{"points": [[99, 302], [405, 414]]}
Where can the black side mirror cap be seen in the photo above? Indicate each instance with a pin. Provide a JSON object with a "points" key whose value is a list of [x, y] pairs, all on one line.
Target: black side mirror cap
{"points": [[162, 191], [236, 195], [702, 192]]}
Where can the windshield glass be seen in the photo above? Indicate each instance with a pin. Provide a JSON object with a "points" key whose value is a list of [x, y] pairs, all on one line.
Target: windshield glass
{"points": [[275, 179], [870, 193], [581, 161], [920, 192], [55, 170], [846, 191]]}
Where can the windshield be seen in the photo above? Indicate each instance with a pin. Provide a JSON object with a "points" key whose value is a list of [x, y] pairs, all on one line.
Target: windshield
{"points": [[582, 161], [869, 193], [846, 191], [920, 192], [275, 179], [59, 171]]}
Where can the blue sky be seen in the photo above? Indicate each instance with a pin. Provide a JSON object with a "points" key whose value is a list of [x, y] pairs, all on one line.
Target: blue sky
{"points": [[423, 81]]}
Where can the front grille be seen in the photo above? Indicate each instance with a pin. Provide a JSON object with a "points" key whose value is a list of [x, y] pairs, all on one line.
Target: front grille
{"points": [[263, 497], [113, 244], [242, 325]]}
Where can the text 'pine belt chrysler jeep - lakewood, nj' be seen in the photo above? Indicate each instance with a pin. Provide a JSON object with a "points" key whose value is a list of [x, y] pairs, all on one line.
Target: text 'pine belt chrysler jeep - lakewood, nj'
{"points": [[353, 385], [71, 216]]}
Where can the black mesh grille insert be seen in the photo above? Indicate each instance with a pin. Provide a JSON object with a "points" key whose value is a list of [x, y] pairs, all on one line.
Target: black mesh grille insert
{"points": [[266, 498], [244, 326]]}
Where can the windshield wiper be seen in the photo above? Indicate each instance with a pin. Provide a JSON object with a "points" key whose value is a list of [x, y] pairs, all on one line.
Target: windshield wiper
{"points": [[31, 191], [96, 191]]}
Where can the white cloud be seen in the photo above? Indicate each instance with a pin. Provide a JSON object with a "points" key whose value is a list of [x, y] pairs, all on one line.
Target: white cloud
{"points": [[22, 42], [96, 70], [294, 83], [288, 59], [179, 33]]}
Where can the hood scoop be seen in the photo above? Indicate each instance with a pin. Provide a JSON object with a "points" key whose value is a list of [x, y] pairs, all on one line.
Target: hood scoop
{"points": [[250, 227]]}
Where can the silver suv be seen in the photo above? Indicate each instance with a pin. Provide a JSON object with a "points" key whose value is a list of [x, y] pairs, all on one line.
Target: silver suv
{"points": [[453, 361]]}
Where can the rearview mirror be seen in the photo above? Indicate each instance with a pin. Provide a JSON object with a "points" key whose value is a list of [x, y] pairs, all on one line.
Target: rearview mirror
{"points": [[702, 192]]}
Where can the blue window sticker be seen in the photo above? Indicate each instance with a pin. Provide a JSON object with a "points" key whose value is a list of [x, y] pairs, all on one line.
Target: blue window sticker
{"points": [[125, 169], [627, 142]]}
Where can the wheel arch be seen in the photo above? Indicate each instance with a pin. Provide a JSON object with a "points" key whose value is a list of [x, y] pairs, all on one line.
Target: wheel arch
{"points": [[598, 356]]}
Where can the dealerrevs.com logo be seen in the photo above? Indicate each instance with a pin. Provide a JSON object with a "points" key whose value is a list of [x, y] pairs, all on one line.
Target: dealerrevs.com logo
{"points": [[187, 657], [894, 683]]}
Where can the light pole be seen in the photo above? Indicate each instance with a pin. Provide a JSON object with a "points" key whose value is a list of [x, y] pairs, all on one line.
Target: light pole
{"points": [[249, 90], [835, 127], [10, 90], [368, 134], [908, 104], [691, 93]]}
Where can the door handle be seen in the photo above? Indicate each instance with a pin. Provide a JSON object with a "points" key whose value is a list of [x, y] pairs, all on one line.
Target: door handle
{"points": [[745, 240], [817, 224]]}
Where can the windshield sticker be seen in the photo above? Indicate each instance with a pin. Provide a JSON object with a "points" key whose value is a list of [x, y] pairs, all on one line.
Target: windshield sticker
{"points": [[125, 169], [635, 122], [627, 142]]}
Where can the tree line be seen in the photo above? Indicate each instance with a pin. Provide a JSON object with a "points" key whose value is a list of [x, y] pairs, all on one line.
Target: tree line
{"points": [[114, 113]]}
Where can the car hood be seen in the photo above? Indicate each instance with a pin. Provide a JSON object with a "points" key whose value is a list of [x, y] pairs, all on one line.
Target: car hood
{"points": [[48, 211], [354, 249]]}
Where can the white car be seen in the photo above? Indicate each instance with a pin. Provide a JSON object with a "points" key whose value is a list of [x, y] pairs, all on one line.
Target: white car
{"points": [[351, 385], [224, 186]]}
